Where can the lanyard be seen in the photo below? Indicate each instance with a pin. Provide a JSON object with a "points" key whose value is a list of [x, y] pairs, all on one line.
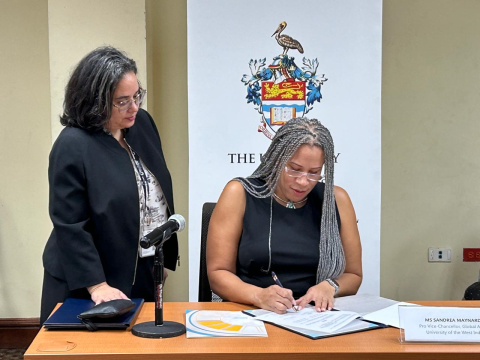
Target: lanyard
{"points": [[142, 174]]}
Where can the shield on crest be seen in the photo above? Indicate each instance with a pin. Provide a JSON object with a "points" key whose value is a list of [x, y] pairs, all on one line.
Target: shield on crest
{"points": [[282, 101]]}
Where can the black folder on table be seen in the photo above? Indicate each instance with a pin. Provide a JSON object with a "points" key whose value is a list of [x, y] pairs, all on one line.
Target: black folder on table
{"points": [[65, 318]]}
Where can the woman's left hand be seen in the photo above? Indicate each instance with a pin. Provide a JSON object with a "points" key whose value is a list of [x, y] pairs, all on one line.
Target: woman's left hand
{"points": [[322, 294]]}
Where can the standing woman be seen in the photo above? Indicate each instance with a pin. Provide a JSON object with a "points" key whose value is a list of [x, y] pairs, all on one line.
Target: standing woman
{"points": [[109, 186], [283, 220]]}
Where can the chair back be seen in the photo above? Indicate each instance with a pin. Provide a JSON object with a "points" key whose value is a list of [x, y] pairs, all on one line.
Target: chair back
{"points": [[204, 291], [472, 292]]}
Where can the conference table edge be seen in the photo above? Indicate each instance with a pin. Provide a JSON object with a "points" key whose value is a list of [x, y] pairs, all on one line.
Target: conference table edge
{"points": [[410, 351]]}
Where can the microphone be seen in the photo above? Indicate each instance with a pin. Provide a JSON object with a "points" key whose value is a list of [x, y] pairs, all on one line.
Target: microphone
{"points": [[175, 223]]}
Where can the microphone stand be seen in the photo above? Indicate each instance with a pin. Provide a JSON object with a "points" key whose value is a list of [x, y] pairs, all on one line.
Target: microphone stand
{"points": [[159, 328]]}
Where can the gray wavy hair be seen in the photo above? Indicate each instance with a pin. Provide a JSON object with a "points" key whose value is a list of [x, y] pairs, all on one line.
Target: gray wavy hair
{"points": [[89, 92], [297, 132]]}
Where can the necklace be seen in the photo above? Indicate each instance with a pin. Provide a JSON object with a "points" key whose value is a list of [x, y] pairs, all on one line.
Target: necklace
{"points": [[289, 204]]}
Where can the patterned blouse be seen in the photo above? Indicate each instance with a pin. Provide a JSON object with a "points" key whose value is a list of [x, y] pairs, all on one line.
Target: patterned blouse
{"points": [[153, 206]]}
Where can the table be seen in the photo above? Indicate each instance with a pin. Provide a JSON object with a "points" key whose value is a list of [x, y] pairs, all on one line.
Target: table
{"points": [[280, 344]]}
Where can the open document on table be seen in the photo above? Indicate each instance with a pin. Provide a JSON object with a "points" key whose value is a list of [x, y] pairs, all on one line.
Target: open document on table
{"points": [[315, 325], [309, 318], [351, 314]]}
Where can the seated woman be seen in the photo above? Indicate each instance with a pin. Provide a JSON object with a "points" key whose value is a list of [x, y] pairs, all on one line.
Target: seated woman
{"points": [[284, 219]]}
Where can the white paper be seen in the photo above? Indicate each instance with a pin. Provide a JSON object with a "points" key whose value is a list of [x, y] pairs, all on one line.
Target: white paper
{"points": [[387, 316], [362, 304], [308, 318]]}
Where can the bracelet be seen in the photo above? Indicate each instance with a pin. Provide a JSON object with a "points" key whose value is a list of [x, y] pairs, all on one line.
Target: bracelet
{"points": [[334, 284], [96, 287]]}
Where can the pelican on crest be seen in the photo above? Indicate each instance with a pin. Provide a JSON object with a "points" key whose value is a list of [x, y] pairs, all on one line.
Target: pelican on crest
{"points": [[286, 41]]}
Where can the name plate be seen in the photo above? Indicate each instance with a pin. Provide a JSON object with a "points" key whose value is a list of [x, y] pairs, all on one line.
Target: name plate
{"points": [[439, 324]]}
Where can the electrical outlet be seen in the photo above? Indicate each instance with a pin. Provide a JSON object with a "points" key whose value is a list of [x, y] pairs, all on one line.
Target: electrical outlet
{"points": [[471, 254], [440, 255]]}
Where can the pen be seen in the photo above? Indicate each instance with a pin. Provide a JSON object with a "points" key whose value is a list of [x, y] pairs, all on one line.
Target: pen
{"points": [[277, 281]]}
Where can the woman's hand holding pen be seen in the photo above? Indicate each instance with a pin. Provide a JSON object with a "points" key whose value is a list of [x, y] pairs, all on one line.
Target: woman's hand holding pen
{"points": [[322, 294], [274, 298]]}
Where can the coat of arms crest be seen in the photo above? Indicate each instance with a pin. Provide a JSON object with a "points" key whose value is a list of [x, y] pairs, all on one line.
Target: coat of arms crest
{"points": [[281, 90]]}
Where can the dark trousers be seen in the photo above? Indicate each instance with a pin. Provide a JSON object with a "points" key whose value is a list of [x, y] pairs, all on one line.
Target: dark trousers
{"points": [[55, 291]]}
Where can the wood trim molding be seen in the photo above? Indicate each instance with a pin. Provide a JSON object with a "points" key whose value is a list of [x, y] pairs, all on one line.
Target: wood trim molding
{"points": [[18, 333]]}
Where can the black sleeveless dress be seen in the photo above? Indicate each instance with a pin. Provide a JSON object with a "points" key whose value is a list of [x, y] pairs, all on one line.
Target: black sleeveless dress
{"points": [[294, 242]]}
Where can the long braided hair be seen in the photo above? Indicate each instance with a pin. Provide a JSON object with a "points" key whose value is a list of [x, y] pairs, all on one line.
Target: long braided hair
{"points": [[288, 139]]}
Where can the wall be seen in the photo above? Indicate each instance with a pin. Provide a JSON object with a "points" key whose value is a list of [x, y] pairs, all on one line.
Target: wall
{"points": [[76, 27], [167, 76], [430, 151], [25, 142]]}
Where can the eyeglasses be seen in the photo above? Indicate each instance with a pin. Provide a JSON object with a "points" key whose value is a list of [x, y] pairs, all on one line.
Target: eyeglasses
{"points": [[138, 98], [297, 174]]}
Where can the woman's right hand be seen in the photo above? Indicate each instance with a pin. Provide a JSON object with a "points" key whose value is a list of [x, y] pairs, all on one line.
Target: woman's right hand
{"points": [[275, 298], [103, 292]]}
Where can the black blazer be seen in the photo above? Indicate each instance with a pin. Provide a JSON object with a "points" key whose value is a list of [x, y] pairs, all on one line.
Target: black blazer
{"points": [[94, 205]]}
